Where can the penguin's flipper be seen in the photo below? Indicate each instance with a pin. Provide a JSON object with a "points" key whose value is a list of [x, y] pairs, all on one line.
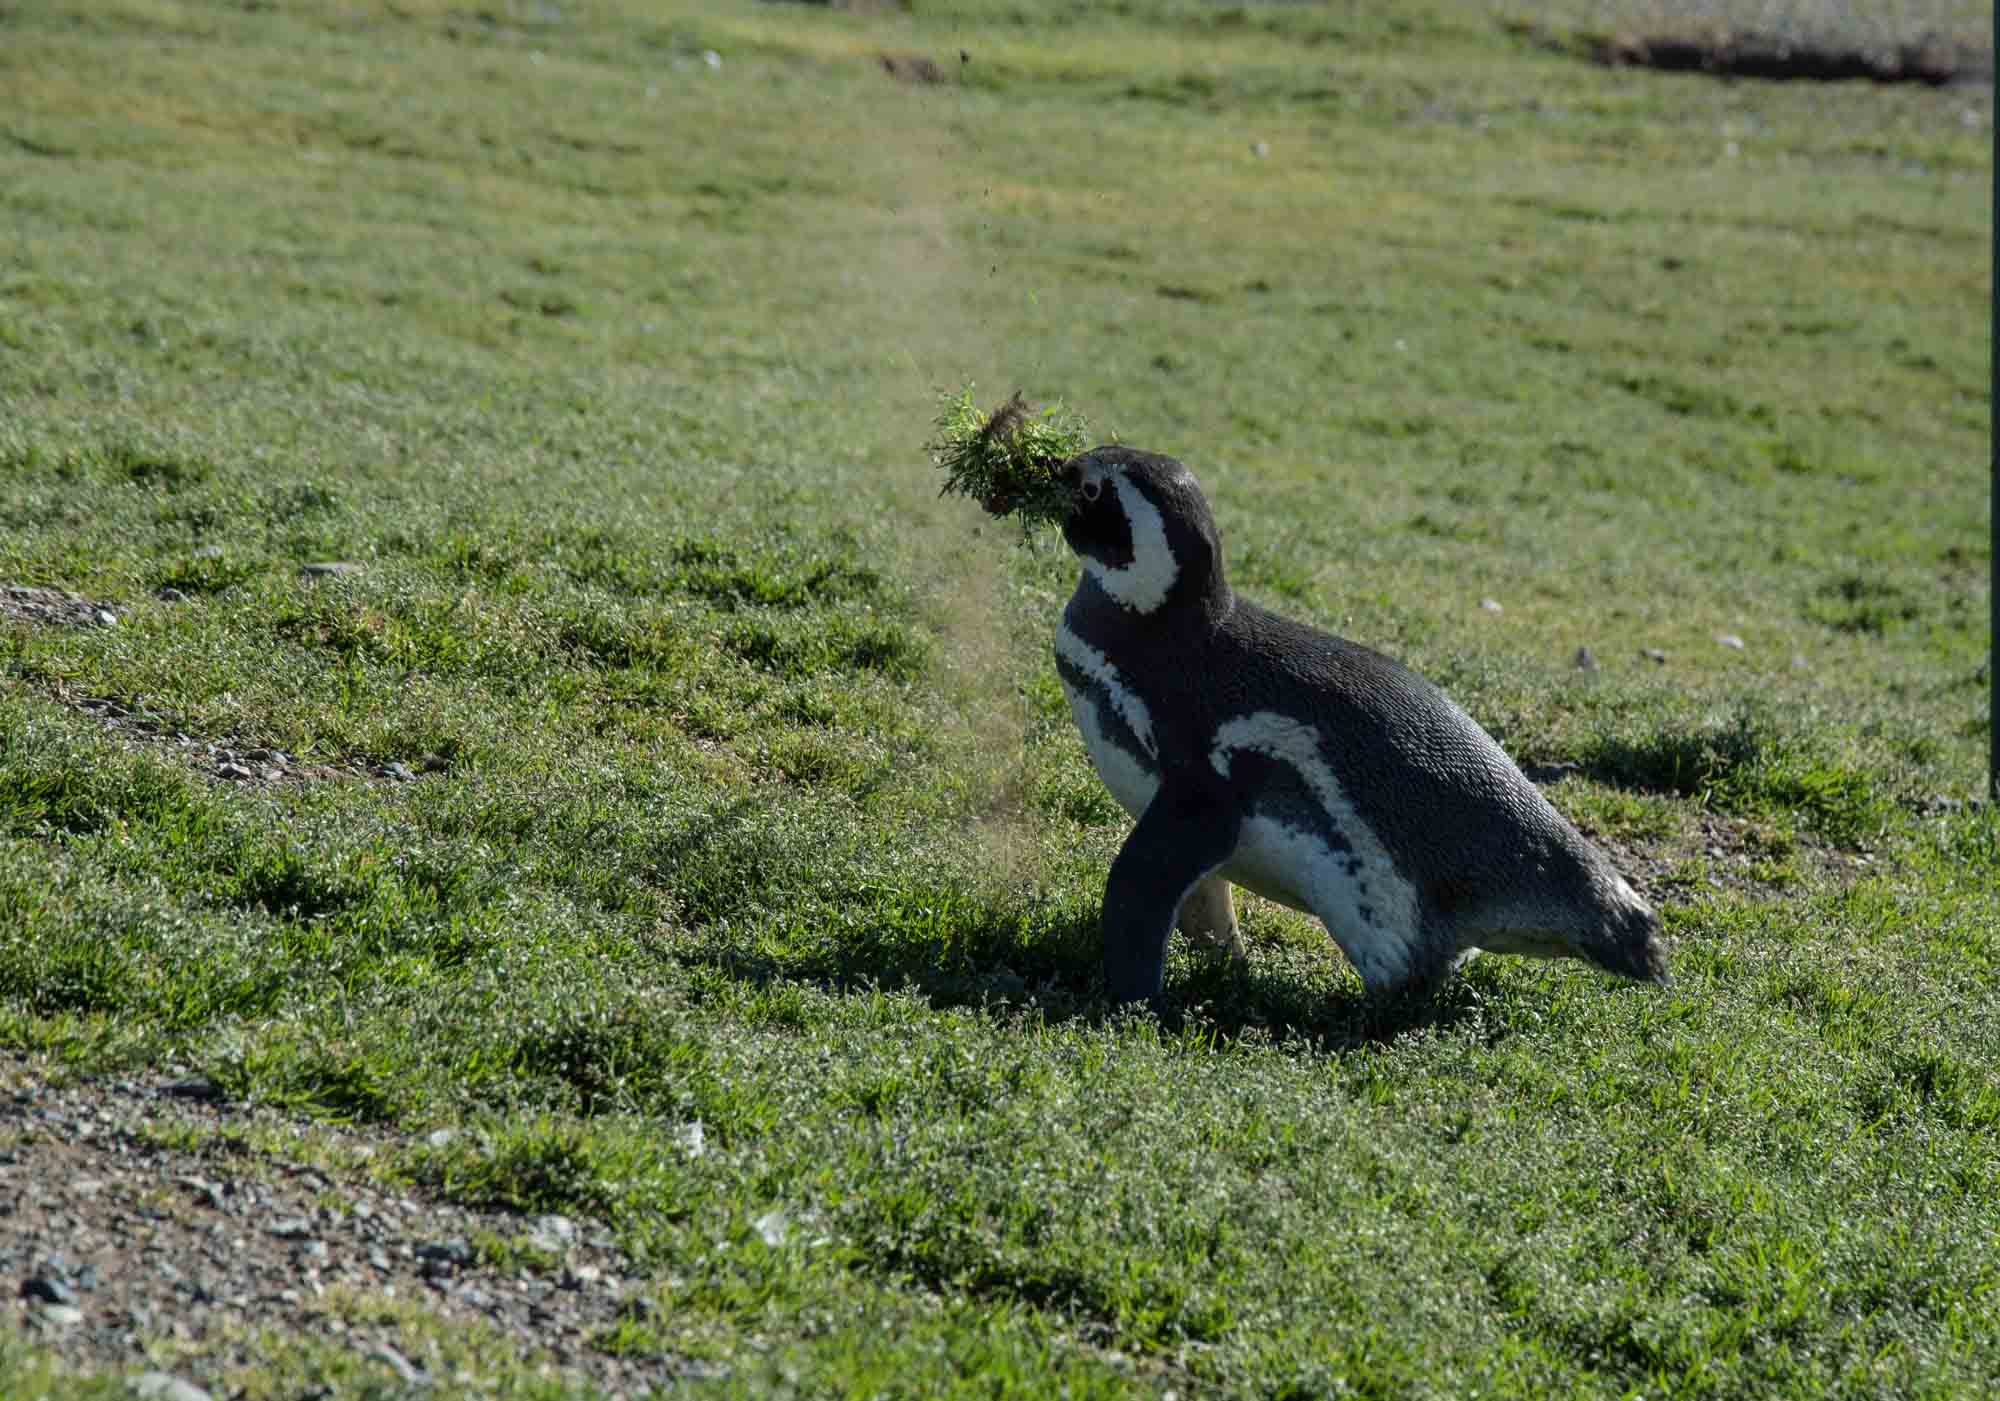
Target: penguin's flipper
{"points": [[1187, 831]]}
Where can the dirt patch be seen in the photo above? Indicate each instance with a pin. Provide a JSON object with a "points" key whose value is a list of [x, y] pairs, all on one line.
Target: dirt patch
{"points": [[54, 607], [121, 1254], [234, 759], [1734, 53], [912, 68]]}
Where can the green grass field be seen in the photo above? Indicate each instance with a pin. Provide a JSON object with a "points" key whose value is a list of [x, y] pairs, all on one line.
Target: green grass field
{"points": [[603, 336]]}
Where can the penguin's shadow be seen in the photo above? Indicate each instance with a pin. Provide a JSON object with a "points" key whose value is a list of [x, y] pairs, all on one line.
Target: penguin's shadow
{"points": [[1048, 969], [1248, 1002]]}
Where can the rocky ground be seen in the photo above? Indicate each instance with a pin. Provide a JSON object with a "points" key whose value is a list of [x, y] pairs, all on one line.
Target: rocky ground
{"points": [[125, 1253]]}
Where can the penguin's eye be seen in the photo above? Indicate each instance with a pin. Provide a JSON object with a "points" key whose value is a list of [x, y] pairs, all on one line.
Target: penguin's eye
{"points": [[1091, 490]]}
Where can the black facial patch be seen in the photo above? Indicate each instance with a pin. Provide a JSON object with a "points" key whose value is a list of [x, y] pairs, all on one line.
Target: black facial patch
{"points": [[1099, 528]]}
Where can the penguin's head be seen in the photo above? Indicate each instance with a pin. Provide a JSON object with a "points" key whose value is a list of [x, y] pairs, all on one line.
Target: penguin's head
{"points": [[1140, 525]]}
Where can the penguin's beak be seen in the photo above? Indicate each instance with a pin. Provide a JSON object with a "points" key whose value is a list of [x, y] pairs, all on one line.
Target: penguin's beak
{"points": [[1071, 477]]}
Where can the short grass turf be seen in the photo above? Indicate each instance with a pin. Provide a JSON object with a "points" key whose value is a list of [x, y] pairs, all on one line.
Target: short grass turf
{"points": [[745, 792]]}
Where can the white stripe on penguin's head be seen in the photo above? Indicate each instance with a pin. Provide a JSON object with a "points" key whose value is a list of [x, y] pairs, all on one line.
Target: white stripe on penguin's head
{"points": [[1143, 584]]}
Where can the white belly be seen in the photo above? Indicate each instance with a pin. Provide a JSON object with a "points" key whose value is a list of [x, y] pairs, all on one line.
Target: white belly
{"points": [[1131, 782], [1364, 913]]}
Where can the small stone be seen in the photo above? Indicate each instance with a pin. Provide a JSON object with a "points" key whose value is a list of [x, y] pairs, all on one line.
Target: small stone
{"points": [[105, 618], [580, 1276], [1654, 655], [1260, 149], [168, 594], [329, 569], [1585, 660], [233, 771], [164, 1386], [712, 59], [406, 1371], [690, 1138], [196, 1087], [291, 1228], [552, 1233], [438, 1138], [452, 1252], [313, 1252], [400, 772], [47, 1289], [379, 1259], [87, 1279], [772, 1227], [1491, 605], [1729, 639], [59, 1315]]}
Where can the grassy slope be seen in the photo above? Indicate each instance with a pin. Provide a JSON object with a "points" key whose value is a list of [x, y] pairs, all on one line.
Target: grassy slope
{"points": [[610, 367]]}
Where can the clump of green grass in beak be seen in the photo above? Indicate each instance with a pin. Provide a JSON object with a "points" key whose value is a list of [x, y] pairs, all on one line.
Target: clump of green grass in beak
{"points": [[1010, 460]]}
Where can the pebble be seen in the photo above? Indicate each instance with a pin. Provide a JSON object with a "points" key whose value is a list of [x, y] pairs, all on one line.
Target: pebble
{"points": [[47, 1289], [164, 1386], [690, 1138], [552, 1233], [1491, 605], [1654, 655], [105, 618], [1586, 660], [291, 1228], [167, 593], [406, 1371], [772, 1227], [452, 1252], [59, 1315], [1729, 639], [233, 771]]}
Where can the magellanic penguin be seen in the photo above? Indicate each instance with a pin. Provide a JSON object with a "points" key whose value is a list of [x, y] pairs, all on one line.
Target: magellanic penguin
{"points": [[1256, 750]]}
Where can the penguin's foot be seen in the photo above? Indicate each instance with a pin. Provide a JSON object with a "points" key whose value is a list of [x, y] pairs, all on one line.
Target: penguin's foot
{"points": [[1209, 919]]}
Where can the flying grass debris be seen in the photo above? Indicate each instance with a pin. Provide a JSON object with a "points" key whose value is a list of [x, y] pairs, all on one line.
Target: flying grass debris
{"points": [[1010, 460]]}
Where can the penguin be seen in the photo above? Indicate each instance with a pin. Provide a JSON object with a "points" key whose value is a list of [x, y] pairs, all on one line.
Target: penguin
{"points": [[1253, 750]]}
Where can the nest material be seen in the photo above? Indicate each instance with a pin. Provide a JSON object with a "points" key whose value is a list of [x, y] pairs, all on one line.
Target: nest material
{"points": [[1010, 460]]}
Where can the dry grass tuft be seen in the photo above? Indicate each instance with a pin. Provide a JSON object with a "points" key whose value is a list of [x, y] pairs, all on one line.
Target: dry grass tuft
{"points": [[1010, 460]]}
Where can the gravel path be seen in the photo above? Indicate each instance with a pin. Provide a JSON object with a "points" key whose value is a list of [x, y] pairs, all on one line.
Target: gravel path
{"points": [[125, 1256]]}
